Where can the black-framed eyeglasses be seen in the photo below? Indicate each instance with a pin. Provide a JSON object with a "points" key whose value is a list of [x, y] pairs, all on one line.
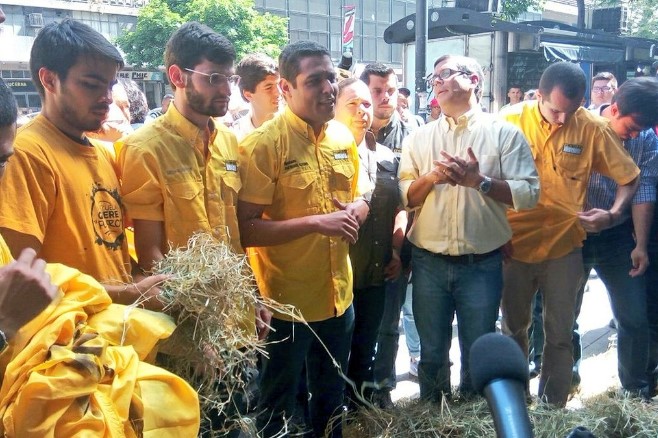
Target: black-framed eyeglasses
{"points": [[217, 79], [445, 74], [601, 89]]}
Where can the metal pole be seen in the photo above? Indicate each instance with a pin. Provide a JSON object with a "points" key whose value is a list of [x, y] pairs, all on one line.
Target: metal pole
{"points": [[421, 42]]}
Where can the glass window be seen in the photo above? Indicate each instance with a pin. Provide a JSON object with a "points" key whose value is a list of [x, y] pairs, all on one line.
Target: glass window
{"points": [[280, 4], [320, 8], [369, 29], [336, 26], [383, 51], [318, 23], [298, 21], [5, 73], [399, 10], [368, 9], [336, 7], [321, 38], [369, 49], [396, 53], [298, 5], [33, 100], [384, 10]]}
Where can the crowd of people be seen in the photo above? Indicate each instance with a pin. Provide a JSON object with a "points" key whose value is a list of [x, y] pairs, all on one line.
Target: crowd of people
{"points": [[349, 207]]}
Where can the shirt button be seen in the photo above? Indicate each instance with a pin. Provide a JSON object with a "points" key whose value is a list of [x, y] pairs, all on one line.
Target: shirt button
{"points": [[377, 265], [376, 242]]}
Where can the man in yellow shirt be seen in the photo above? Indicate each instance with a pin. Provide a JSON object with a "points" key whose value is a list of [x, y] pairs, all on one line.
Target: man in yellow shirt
{"points": [[297, 210], [64, 198], [568, 143], [180, 172]]}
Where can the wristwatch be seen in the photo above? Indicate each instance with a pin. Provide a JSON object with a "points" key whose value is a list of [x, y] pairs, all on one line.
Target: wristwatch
{"points": [[485, 185]]}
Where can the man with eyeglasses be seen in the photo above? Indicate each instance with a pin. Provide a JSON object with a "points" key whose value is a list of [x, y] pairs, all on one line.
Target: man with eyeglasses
{"points": [[568, 144], [180, 173], [460, 174], [604, 85]]}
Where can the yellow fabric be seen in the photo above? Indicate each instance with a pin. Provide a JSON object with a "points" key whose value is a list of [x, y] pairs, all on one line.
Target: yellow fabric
{"points": [[165, 177], [285, 168], [65, 375], [565, 158], [67, 196]]}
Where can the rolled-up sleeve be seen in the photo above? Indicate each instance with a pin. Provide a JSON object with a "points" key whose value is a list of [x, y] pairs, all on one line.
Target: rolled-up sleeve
{"points": [[408, 170], [647, 161]]}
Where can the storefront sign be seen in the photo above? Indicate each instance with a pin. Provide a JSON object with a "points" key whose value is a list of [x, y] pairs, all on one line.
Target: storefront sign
{"points": [[141, 75]]}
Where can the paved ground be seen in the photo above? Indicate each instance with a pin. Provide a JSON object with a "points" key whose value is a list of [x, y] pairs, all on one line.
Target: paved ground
{"points": [[598, 368]]}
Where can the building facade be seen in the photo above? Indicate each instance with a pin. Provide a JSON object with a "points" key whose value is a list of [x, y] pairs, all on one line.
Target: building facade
{"points": [[24, 19]]}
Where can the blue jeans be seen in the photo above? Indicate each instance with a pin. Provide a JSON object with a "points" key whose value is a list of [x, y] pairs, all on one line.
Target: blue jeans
{"points": [[441, 288], [389, 335], [409, 326], [652, 315], [289, 346], [609, 253]]}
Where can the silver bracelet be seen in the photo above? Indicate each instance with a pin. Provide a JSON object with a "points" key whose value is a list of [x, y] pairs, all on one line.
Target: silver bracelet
{"points": [[3, 341]]}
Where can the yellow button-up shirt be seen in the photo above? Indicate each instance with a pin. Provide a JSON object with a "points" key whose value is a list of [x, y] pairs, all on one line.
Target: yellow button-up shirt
{"points": [[166, 177], [460, 220], [293, 173], [565, 158]]}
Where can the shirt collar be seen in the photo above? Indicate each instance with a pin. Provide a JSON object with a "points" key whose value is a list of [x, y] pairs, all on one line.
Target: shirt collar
{"points": [[301, 127], [187, 129], [466, 120]]}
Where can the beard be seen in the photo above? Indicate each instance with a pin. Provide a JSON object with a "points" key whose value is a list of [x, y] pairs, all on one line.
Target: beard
{"points": [[202, 104]]}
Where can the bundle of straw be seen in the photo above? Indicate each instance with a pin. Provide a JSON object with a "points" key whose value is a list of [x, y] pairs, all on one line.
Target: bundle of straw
{"points": [[212, 294]]}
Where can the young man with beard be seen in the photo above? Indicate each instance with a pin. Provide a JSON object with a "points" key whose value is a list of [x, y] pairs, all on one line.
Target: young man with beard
{"points": [[298, 211], [64, 198], [180, 172]]}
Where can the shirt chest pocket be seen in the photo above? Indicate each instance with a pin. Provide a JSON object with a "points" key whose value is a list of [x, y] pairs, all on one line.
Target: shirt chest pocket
{"points": [[184, 201], [231, 185], [340, 181], [296, 191], [571, 166]]}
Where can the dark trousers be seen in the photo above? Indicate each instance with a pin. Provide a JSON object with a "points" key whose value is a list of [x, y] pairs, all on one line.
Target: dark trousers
{"points": [[289, 346], [368, 310]]}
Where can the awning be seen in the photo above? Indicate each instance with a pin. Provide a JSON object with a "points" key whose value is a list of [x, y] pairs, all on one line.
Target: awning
{"points": [[569, 52]]}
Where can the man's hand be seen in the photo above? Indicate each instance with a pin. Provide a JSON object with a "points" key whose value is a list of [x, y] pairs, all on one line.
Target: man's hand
{"points": [[460, 171], [359, 209], [263, 320], [146, 290], [394, 268], [25, 291], [596, 220], [640, 260]]}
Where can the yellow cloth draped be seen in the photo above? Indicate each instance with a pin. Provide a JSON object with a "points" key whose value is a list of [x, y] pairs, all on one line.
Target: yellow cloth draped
{"points": [[77, 370]]}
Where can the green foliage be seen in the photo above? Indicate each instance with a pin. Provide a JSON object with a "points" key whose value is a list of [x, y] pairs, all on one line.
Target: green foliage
{"points": [[511, 9], [642, 17], [246, 28]]}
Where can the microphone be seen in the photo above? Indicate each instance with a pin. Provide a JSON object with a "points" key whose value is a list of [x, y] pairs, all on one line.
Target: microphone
{"points": [[499, 370]]}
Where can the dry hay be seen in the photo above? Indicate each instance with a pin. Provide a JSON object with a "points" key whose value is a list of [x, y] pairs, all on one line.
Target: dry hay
{"points": [[211, 292], [607, 415]]}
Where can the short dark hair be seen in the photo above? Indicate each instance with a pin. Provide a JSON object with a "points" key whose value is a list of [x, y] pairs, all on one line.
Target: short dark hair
{"points": [[254, 69], [515, 86], [605, 76], [8, 108], [59, 46], [193, 42], [404, 91], [138, 105], [568, 77], [638, 97], [377, 69], [292, 54]]}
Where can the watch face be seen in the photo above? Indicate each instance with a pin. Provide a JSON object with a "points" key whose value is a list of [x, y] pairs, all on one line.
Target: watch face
{"points": [[485, 185]]}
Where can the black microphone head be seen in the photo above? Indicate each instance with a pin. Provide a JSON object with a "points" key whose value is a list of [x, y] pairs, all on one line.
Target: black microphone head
{"points": [[495, 356]]}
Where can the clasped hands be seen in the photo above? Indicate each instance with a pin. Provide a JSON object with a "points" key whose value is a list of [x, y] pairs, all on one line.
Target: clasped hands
{"points": [[457, 171]]}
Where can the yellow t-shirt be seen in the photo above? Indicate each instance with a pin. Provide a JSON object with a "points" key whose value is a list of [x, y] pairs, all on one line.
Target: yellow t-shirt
{"points": [[285, 168], [66, 195], [565, 158], [165, 177]]}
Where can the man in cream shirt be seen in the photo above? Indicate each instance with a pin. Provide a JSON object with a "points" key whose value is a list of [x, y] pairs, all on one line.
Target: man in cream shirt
{"points": [[461, 174]]}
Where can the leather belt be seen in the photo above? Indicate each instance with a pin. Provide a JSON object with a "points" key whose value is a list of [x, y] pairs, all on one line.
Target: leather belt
{"points": [[467, 259]]}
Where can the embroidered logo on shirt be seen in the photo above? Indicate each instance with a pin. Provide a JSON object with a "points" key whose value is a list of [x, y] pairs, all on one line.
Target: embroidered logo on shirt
{"points": [[107, 217], [291, 164], [231, 166], [574, 149], [341, 155]]}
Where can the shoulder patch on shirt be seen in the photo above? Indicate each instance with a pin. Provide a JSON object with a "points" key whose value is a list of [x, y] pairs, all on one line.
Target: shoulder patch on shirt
{"points": [[231, 166], [574, 149], [341, 155]]}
